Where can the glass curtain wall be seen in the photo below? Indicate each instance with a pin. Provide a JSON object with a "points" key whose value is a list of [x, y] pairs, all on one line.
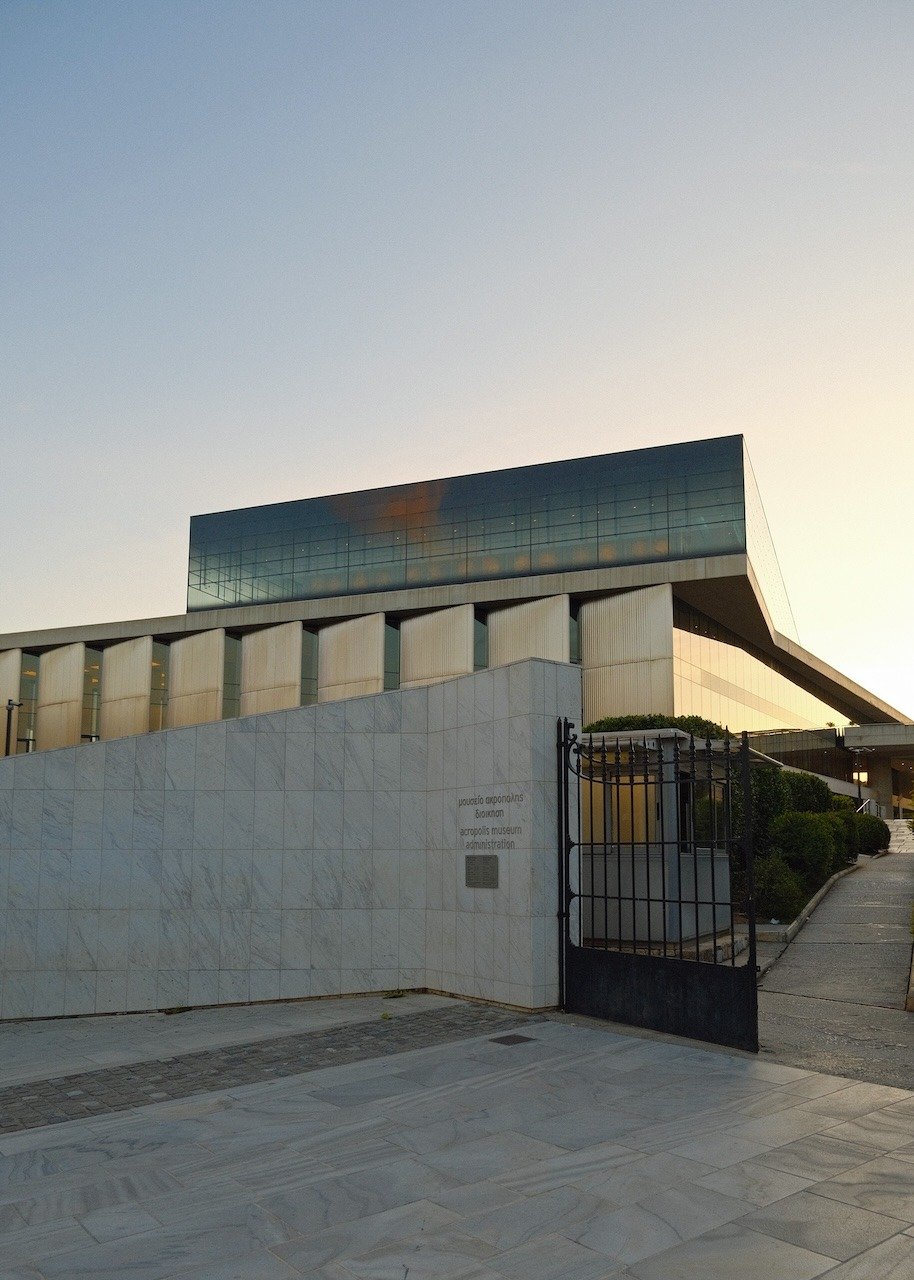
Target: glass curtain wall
{"points": [[158, 692], [717, 676], [90, 729], [670, 503], [28, 696], [231, 678]]}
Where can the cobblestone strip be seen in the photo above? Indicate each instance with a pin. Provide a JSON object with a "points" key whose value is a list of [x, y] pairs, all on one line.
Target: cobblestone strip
{"points": [[97, 1093]]}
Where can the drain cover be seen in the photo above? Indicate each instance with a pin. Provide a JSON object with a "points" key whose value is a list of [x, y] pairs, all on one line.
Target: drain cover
{"points": [[511, 1039]]}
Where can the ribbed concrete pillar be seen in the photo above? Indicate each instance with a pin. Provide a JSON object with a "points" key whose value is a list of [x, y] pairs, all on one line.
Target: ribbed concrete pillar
{"points": [[879, 779], [627, 654], [271, 669], [10, 670], [436, 646], [350, 658], [537, 629], [126, 683], [196, 670], [58, 721]]}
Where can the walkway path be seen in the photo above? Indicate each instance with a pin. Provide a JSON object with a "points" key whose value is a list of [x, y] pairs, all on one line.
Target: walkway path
{"points": [[834, 1001], [559, 1152]]}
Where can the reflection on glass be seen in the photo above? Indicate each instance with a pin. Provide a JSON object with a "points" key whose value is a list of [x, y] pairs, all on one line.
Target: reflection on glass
{"points": [[391, 654], [92, 695], [231, 678], [720, 677], [649, 504], [158, 693], [308, 667], [28, 696]]}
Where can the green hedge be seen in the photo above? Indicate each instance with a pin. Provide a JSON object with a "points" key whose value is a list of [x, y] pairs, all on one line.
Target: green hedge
{"points": [[873, 833], [806, 793], [806, 841], [779, 892], [696, 725]]}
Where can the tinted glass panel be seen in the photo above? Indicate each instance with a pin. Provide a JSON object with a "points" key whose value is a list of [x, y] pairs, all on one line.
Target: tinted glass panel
{"points": [[649, 504]]}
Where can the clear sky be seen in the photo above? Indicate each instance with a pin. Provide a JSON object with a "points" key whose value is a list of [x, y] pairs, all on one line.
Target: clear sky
{"points": [[258, 251]]}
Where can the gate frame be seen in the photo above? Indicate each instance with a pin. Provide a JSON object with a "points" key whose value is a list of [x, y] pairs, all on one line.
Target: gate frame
{"points": [[711, 1000]]}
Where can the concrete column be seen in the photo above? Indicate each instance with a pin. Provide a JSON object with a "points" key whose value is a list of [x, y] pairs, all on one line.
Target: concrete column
{"points": [[10, 669], [537, 629], [436, 646], [271, 669], [350, 658], [880, 780], [58, 721], [196, 670], [627, 654], [126, 683]]}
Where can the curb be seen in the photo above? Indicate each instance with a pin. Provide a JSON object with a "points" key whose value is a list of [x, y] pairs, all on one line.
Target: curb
{"points": [[909, 998], [790, 931]]}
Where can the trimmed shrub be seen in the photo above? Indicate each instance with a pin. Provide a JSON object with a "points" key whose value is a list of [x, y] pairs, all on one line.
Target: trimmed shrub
{"points": [[845, 820], [806, 793], [874, 834], [779, 893], [769, 800], [843, 804], [807, 844], [839, 831], [696, 725]]}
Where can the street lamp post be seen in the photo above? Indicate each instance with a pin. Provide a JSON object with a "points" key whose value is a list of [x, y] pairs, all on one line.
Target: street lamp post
{"points": [[10, 708]]}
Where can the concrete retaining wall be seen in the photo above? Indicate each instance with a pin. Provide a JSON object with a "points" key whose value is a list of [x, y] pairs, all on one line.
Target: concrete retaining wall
{"points": [[314, 851]]}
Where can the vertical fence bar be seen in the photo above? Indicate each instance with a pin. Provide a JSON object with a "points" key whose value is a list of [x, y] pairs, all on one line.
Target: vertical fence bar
{"points": [[617, 838], [693, 769], [677, 773], [605, 854], [662, 832], [561, 737], [631, 836], [712, 841], [647, 844], [749, 852], [728, 829]]}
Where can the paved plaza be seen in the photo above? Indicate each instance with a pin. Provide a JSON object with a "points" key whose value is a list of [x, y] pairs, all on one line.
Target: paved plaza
{"points": [[835, 999], [524, 1148]]}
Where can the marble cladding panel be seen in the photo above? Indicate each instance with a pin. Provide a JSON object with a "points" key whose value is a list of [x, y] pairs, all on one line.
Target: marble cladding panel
{"points": [[297, 853]]}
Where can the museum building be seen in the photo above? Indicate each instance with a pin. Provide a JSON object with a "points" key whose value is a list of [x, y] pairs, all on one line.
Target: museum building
{"points": [[653, 570]]}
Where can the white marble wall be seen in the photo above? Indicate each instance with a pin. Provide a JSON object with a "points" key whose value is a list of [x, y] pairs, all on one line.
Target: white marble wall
{"points": [[305, 852]]}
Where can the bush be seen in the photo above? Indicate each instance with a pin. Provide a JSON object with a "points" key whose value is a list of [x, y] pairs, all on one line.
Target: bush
{"points": [[842, 804], [769, 800], [779, 894], [807, 843], [839, 830], [873, 833], [848, 843], [806, 793], [696, 725]]}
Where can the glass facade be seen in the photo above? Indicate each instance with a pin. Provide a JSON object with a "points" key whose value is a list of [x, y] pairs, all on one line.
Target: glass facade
{"points": [[231, 678], [763, 556], [308, 667], [90, 729], [812, 750], [28, 696], [718, 676], [158, 691], [669, 503]]}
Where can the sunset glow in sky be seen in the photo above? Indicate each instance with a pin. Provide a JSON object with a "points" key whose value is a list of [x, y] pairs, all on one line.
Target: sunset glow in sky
{"points": [[259, 251]]}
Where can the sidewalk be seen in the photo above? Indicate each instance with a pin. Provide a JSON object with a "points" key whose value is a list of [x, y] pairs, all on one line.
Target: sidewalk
{"points": [[557, 1152], [834, 1000]]}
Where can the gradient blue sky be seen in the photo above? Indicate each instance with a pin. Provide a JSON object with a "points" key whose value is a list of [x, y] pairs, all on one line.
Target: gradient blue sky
{"points": [[258, 251]]}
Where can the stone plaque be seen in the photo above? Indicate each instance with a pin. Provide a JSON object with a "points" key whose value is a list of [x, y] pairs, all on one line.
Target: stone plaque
{"points": [[481, 870]]}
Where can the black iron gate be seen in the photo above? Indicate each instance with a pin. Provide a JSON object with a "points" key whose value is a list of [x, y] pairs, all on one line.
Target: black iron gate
{"points": [[656, 883]]}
